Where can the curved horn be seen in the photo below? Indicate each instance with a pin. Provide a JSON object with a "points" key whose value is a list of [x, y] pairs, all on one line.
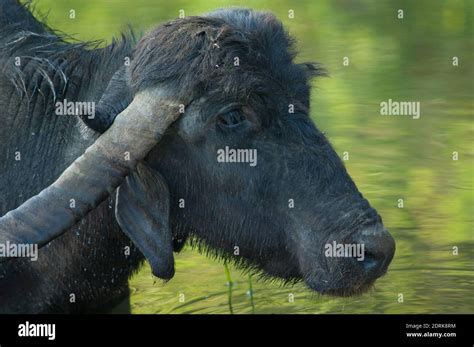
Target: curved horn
{"points": [[94, 175]]}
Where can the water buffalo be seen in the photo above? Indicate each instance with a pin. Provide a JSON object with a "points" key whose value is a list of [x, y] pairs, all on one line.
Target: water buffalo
{"points": [[136, 178]]}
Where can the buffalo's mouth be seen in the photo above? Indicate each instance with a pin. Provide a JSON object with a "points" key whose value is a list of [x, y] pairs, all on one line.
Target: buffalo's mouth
{"points": [[350, 286], [343, 288]]}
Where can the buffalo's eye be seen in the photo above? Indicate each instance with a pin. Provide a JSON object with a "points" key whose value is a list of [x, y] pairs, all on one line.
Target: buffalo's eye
{"points": [[230, 119]]}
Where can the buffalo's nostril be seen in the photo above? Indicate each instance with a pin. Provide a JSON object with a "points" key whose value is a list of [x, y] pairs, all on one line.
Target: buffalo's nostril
{"points": [[370, 262], [379, 248]]}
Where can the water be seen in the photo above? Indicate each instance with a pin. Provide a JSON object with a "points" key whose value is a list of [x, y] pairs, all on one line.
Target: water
{"points": [[390, 157]]}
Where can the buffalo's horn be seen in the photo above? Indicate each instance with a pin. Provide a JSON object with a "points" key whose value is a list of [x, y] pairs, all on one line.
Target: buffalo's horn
{"points": [[117, 96], [92, 177]]}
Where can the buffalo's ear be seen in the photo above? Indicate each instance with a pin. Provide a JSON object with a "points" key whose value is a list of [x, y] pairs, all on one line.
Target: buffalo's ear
{"points": [[117, 96], [142, 211]]}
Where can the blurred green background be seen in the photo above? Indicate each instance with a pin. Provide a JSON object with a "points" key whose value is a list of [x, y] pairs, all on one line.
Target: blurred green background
{"points": [[390, 157]]}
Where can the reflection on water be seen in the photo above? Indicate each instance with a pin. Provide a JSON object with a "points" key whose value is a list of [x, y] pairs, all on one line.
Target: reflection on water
{"points": [[430, 287], [390, 157]]}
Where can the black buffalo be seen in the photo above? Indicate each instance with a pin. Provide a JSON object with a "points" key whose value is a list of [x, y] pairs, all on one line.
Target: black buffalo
{"points": [[166, 108]]}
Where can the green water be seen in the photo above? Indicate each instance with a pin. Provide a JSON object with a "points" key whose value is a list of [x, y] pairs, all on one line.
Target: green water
{"points": [[390, 157]]}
